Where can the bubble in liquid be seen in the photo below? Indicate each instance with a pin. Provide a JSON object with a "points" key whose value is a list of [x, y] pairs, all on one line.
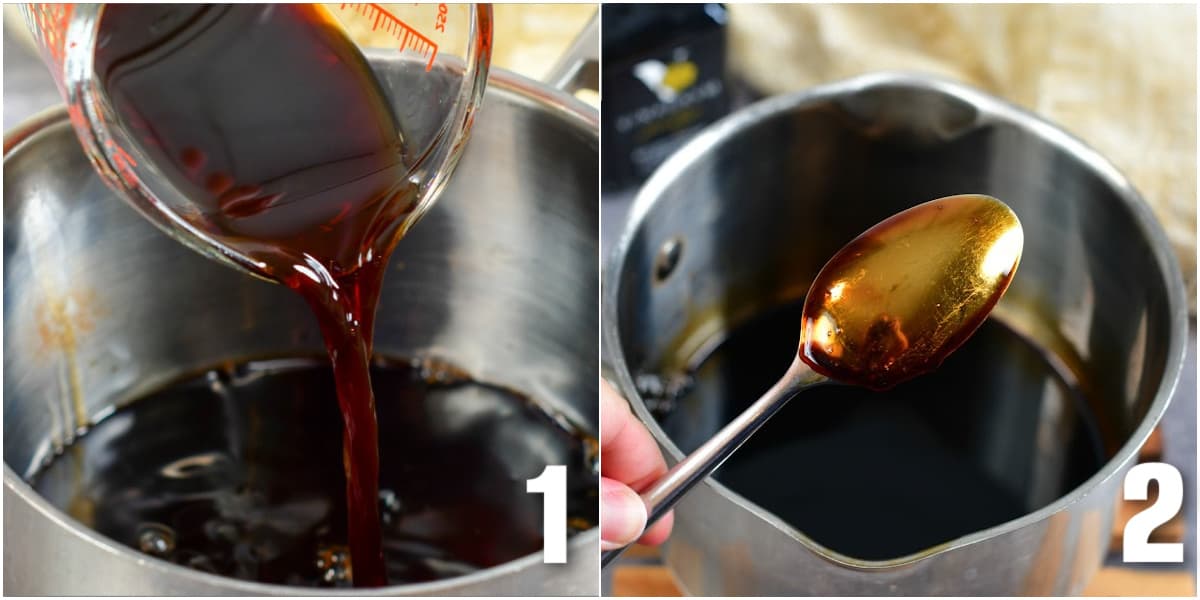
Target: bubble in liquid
{"points": [[333, 563], [196, 465], [661, 392], [389, 506], [156, 539]]}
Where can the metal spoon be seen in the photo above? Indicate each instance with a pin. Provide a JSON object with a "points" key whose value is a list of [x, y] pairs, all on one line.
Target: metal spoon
{"points": [[889, 306]]}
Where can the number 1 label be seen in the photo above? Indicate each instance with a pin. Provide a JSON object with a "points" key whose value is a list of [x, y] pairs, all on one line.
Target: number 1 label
{"points": [[552, 485]]}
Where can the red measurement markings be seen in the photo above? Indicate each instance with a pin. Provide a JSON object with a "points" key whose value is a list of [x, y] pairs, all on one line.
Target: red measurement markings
{"points": [[119, 158], [75, 113], [50, 21], [123, 162], [407, 36]]}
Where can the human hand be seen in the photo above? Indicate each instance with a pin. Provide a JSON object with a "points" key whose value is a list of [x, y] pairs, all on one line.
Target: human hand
{"points": [[629, 463]]}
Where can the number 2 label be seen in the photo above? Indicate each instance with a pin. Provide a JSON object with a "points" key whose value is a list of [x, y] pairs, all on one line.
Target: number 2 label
{"points": [[552, 485], [1138, 547]]}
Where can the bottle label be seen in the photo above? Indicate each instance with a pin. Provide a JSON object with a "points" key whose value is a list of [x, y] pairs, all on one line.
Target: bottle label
{"points": [[658, 100]]}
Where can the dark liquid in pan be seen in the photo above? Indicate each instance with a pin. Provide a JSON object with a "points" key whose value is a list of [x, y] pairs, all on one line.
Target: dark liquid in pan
{"points": [[881, 475], [271, 122], [239, 472]]}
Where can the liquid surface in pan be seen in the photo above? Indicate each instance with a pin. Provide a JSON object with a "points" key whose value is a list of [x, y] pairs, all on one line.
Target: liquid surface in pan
{"points": [[992, 435], [238, 472]]}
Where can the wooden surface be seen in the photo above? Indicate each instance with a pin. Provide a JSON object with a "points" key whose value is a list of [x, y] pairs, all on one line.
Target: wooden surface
{"points": [[652, 579], [644, 581], [1124, 581]]}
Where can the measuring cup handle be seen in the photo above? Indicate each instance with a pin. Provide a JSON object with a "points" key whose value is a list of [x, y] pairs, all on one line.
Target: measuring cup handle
{"points": [[579, 67]]}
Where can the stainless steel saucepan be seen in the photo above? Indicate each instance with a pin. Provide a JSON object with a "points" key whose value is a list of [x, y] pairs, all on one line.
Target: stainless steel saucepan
{"points": [[737, 223], [100, 307]]}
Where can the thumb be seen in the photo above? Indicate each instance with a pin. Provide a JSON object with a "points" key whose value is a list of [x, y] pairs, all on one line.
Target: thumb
{"points": [[622, 514]]}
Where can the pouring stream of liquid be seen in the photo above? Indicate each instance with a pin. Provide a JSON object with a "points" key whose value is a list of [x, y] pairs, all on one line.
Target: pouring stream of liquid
{"points": [[889, 306], [289, 152]]}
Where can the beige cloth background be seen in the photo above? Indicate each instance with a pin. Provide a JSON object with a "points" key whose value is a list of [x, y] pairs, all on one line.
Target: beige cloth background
{"points": [[1120, 77]]}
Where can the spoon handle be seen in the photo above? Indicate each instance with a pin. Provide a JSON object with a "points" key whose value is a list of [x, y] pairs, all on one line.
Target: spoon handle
{"points": [[672, 486]]}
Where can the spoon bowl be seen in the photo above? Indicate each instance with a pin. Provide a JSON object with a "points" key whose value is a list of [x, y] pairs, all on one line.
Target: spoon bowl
{"points": [[899, 298]]}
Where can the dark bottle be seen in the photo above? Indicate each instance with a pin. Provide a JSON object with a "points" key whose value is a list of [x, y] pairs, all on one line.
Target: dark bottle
{"points": [[663, 81]]}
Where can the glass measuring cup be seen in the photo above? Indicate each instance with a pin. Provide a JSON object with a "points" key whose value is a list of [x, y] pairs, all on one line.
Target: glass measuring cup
{"points": [[442, 51]]}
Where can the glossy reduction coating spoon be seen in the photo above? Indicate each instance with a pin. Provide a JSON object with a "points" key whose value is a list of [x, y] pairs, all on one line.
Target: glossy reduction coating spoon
{"points": [[889, 306]]}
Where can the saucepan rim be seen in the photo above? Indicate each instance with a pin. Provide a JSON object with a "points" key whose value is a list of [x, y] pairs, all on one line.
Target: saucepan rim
{"points": [[990, 110], [516, 89]]}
